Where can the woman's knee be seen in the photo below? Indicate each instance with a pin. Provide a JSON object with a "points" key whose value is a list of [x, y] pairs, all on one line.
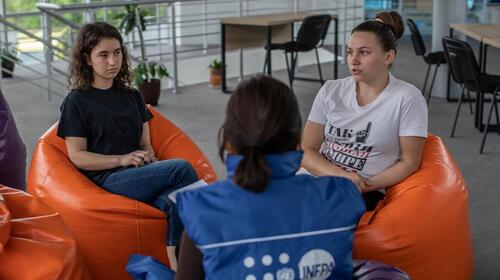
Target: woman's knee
{"points": [[185, 169]]}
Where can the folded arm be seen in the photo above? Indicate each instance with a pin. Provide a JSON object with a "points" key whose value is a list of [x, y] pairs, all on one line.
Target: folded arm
{"points": [[85, 160], [411, 148], [315, 163]]}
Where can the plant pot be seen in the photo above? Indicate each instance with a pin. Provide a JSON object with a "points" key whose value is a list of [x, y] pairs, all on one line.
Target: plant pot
{"points": [[215, 77], [150, 91], [7, 65]]}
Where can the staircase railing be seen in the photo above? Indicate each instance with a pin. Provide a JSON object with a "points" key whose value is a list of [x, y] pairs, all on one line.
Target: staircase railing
{"points": [[177, 30]]}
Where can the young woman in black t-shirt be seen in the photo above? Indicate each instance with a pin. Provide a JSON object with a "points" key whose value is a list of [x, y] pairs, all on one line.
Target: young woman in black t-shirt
{"points": [[105, 126]]}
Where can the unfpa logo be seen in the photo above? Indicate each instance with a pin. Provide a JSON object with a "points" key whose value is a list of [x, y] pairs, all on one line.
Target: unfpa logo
{"points": [[316, 264]]}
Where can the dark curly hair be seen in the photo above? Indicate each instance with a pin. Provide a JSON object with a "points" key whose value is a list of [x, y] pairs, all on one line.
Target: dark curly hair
{"points": [[80, 73]]}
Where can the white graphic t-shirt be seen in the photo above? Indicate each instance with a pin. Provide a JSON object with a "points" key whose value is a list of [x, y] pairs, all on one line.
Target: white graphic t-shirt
{"points": [[365, 139]]}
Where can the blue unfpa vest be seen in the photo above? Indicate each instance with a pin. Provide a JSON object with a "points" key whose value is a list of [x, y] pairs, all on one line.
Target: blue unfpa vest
{"points": [[300, 227]]}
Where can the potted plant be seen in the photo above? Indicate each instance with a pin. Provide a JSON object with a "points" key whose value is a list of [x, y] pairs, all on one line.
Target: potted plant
{"points": [[147, 74], [215, 68], [8, 59]]}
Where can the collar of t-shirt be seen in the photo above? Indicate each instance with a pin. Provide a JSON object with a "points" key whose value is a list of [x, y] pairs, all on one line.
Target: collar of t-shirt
{"points": [[381, 96]]}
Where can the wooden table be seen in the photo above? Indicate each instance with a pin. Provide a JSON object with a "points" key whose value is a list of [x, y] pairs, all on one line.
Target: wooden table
{"points": [[479, 32], [263, 30], [487, 35], [476, 30]]}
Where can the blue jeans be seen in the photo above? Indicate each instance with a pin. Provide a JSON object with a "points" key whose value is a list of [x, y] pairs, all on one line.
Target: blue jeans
{"points": [[151, 184]]}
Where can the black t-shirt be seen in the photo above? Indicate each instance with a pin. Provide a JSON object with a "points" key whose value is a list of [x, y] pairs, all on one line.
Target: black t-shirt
{"points": [[110, 119]]}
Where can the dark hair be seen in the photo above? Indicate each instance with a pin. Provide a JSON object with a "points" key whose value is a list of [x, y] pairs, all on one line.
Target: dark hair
{"points": [[262, 117], [80, 73], [387, 26]]}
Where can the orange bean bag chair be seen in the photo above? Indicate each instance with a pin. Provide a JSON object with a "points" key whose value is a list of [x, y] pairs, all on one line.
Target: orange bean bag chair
{"points": [[422, 225], [107, 227], [34, 241]]}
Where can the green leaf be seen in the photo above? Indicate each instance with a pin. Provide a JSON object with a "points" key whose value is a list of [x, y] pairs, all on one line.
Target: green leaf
{"points": [[119, 16], [138, 80], [140, 73], [142, 23], [162, 71], [143, 13], [131, 8], [129, 25], [152, 69], [122, 23], [215, 64], [136, 17]]}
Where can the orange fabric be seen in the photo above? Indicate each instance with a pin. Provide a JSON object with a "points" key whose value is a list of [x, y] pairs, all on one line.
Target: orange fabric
{"points": [[422, 225], [34, 241], [109, 228]]}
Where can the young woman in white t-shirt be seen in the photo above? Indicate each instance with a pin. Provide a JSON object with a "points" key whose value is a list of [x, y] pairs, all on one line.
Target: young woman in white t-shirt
{"points": [[371, 126]]}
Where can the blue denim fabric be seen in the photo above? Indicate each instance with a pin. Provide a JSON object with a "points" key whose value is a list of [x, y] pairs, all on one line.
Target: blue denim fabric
{"points": [[151, 184]]}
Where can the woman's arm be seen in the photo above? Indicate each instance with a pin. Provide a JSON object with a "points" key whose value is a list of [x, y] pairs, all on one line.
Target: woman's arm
{"points": [[85, 160], [411, 148], [315, 163], [146, 140], [190, 261]]}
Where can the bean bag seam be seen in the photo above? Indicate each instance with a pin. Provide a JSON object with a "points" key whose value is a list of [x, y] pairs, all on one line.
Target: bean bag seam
{"points": [[138, 226]]}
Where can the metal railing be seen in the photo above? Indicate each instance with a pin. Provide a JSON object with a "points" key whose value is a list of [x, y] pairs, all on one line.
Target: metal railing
{"points": [[54, 11], [177, 30]]}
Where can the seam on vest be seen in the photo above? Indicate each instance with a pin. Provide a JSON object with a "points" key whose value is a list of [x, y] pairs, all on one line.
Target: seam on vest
{"points": [[276, 237]]}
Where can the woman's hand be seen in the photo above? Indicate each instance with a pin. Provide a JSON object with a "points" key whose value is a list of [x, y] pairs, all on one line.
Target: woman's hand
{"points": [[358, 181], [137, 158], [85, 160]]}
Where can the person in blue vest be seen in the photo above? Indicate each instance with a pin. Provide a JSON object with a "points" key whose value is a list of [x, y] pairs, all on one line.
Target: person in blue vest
{"points": [[264, 222]]}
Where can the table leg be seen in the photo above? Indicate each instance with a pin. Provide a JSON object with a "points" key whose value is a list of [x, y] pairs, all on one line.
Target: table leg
{"points": [[335, 49], [448, 98], [478, 117], [291, 71], [480, 99], [269, 42], [483, 126], [223, 57], [485, 52], [480, 59]]}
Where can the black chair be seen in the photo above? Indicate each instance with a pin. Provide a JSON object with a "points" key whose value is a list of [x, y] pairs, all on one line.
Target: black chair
{"points": [[465, 70], [432, 58], [311, 36]]}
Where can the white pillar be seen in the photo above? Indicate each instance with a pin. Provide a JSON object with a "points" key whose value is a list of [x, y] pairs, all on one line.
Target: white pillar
{"points": [[445, 12]]}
